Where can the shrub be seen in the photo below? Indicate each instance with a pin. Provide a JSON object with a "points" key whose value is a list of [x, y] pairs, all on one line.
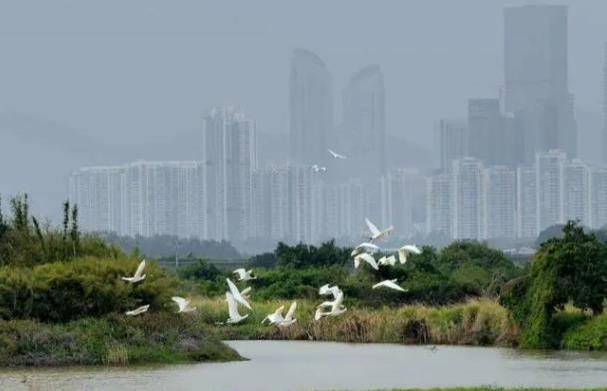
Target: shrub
{"points": [[64, 291]]}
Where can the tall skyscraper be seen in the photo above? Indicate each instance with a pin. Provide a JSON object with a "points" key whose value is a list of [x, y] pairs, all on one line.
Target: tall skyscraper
{"points": [[485, 131], [499, 202], [311, 108], [453, 138], [98, 192], [536, 86], [550, 179], [467, 199], [576, 192], [526, 203], [229, 152], [598, 197], [364, 132], [439, 206]]}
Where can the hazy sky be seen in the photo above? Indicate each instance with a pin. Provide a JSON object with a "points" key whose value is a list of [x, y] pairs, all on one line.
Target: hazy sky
{"points": [[79, 78]]}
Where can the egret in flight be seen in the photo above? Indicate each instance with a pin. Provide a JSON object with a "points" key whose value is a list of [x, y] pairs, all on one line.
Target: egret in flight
{"points": [[389, 284], [376, 234], [139, 276], [366, 258], [244, 275], [336, 155], [236, 295], [234, 316], [137, 311], [184, 304], [405, 250]]}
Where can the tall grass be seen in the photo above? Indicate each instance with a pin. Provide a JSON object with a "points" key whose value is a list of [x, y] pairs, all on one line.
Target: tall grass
{"points": [[475, 322]]}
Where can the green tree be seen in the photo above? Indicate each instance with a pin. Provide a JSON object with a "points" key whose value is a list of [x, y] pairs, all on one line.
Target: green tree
{"points": [[568, 269]]}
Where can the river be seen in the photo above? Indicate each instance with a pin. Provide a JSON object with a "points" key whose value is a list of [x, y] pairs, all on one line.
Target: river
{"points": [[282, 365]]}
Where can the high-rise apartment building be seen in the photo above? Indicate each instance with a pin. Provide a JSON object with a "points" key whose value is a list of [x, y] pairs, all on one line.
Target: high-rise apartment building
{"points": [[439, 205], [577, 192], [140, 198], [499, 202], [550, 179], [526, 203], [467, 199], [598, 197], [98, 192], [364, 132], [311, 108], [536, 85], [229, 150]]}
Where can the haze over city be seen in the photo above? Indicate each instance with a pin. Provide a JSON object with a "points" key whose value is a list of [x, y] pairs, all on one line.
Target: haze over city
{"points": [[84, 85]]}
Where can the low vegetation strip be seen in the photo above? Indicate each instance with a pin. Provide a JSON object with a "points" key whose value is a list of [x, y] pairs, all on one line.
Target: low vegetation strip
{"points": [[110, 340], [475, 322]]}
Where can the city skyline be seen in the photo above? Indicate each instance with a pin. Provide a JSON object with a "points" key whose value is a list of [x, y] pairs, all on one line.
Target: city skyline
{"points": [[355, 103]]}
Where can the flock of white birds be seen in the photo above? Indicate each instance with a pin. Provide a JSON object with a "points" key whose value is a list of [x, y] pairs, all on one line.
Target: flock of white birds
{"points": [[182, 304], [234, 297]]}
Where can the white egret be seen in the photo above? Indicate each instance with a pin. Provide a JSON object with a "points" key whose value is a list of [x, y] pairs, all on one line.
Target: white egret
{"points": [[375, 232], [391, 260], [289, 318], [405, 250], [336, 307], [234, 316], [275, 317], [329, 290], [389, 284], [184, 304], [244, 275], [317, 168], [237, 295], [137, 311], [367, 258], [336, 155], [368, 247], [138, 276]]}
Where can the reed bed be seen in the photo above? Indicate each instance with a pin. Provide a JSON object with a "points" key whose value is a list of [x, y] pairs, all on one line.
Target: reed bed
{"points": [[474, 322]]}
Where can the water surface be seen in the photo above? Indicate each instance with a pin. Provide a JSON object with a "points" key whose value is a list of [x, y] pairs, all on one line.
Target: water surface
{"points": [[282, 365]]}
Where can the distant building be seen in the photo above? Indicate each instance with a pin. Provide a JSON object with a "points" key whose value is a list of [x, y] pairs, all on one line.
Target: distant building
{"points": [[396, 189], [364, 130], [467, 199], [605, 107], [550, 179], [577, 192], [439, 206], [499, 202], [526, 203], [99, 194], [311, 108], [229, 150], [485, 130], [598, 197], [140, 198], [536, 85], [453, 138]]}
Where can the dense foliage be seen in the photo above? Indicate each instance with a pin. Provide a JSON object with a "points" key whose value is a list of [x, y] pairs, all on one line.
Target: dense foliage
{"points": [[571, 269], [463, 269]]}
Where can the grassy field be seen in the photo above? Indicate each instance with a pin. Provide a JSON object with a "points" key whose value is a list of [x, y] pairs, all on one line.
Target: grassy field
{"points": [[476, 322]]}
